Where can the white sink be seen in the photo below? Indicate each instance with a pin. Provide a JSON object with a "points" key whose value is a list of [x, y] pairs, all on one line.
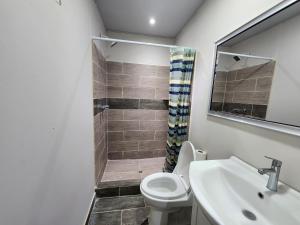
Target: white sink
{"points": [[224, 188]]}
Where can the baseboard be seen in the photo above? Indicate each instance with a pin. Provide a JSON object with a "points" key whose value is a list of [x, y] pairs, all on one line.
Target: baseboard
{"points": [[87, 218]]}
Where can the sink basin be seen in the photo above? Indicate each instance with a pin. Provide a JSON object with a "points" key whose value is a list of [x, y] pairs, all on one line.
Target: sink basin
{"points": [[231, 192]]}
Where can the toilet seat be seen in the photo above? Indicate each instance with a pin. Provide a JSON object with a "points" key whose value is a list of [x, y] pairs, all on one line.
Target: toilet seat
{"points": [[164, 186], [167, 192]]}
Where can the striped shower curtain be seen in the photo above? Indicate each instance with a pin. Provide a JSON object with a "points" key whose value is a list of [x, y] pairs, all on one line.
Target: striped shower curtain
{"points": [[181, 71]]}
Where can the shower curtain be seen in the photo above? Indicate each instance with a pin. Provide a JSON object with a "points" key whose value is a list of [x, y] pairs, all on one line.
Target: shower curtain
{"points": [[181, 71]]}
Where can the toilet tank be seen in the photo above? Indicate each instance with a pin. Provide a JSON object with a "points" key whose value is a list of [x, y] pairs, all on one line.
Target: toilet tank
{"points": [[186, 156]]}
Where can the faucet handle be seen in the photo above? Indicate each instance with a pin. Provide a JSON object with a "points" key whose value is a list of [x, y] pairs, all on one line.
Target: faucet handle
{"points": [[275, 162]]}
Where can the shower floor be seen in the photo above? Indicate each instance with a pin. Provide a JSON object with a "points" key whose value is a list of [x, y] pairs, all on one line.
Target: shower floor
{"points": [[130, 170]]}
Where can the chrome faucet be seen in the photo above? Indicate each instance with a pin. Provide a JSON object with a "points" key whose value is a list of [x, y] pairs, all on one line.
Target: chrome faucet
{"points": [[273, 173]]}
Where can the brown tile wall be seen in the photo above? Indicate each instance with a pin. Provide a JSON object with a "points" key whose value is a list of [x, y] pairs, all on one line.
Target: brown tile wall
{"points": [[137, 133], [100, 117], [251, 85], [248, 89], [137, 81]]}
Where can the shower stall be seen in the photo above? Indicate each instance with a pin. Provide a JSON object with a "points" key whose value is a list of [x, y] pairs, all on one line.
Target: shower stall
{"points": [[130, 93]]}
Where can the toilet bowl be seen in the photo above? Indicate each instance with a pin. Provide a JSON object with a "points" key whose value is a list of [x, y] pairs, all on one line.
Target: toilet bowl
{"points": [[168, 192]]}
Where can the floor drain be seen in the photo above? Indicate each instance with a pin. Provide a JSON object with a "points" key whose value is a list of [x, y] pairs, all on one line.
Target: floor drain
{"points": [[249, 215], [140, 171]]}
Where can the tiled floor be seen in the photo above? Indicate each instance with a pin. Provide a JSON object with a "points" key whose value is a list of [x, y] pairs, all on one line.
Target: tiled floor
{"points": [[119, 200], [126, 206], [131, 169], [120, 210]]}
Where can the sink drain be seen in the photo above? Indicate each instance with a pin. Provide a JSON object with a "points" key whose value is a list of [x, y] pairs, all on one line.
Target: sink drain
{"points": [[249, 215]]}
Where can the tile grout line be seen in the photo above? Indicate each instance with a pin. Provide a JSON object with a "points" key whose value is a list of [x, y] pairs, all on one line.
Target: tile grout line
{"points": [[121, 196], [121, 219], [117, 210]]}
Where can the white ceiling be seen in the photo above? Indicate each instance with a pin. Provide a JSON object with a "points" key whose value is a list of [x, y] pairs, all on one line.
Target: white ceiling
{"points": [[133, 15]]}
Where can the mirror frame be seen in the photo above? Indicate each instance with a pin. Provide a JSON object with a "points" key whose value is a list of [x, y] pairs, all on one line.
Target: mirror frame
{"points": [[275, 126]]}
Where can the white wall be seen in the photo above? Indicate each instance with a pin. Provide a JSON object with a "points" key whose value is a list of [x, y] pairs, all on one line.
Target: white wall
{"points": [[141, 54], [282, 43], [222, 138], [46, 134]]}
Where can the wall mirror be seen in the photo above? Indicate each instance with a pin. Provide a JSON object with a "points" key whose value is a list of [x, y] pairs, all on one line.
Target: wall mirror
{"points": [[257, 71]]}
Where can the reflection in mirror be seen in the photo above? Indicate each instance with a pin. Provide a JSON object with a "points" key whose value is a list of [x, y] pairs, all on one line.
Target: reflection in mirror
{"points": [[257, 71], [242, 84]]}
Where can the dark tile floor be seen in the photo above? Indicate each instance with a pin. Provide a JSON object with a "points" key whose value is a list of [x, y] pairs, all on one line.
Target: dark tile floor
{"points": [[118, 203], [124, 210], [125, 205]]}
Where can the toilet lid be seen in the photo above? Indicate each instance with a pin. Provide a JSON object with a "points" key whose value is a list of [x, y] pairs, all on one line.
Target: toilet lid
{"points": [[166, 186], [186, 156]]}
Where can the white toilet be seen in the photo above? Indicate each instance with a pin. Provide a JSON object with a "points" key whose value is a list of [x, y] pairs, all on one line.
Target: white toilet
{"points": [[167, 192]]}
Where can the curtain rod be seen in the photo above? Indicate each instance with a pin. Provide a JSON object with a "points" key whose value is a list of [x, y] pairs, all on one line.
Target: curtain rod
{"points": [[136, 42], [244, 55]]}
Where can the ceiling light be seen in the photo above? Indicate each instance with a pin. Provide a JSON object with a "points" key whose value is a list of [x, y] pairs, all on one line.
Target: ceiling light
{"points": [[152, 21]]}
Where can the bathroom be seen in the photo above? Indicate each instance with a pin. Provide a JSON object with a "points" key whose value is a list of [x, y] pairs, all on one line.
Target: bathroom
{"points": [[86, 92]]}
